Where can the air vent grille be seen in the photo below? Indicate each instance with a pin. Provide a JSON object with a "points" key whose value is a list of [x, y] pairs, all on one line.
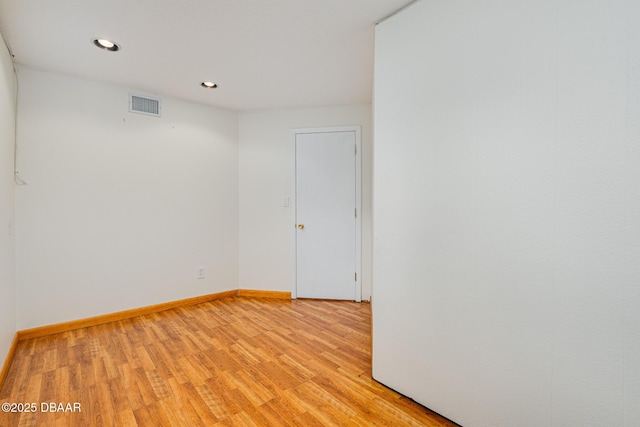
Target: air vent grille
{"points": [[144, 105]]}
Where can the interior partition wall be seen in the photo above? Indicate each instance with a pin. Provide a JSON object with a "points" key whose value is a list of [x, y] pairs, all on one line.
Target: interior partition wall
{"points": [[506, 284]]}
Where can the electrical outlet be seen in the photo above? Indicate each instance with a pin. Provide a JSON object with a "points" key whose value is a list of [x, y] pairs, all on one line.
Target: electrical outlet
{"points": [[200, 272]]}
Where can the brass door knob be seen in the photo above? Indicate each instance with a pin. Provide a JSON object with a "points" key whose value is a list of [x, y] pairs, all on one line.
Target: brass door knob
{"points": [[300, 226]]}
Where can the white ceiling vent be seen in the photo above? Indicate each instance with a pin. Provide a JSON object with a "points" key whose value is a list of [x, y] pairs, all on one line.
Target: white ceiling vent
{"points": [[144, 105]]}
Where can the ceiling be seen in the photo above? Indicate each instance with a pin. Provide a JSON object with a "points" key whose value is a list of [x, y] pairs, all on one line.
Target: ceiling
{"points": [[261, 53]]}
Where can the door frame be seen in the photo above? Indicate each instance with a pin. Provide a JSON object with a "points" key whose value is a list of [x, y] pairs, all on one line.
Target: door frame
{"points": [[294, 245]]}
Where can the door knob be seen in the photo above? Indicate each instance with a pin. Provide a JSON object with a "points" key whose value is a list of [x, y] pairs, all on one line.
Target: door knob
{"points": [[300, 226]]}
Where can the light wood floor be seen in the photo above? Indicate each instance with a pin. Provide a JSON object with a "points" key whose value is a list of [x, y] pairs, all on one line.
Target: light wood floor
{"points": [[233, 362]]}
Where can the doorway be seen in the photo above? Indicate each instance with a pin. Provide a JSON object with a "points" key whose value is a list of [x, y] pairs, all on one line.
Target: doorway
{"points": [[327, 240]]}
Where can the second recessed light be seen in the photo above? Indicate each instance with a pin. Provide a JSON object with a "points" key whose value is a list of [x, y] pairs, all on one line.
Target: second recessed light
{"points": [[209, 85], [106, 44]]}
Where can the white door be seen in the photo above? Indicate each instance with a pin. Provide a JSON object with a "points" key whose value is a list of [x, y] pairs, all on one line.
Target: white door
{"points": [[327, 221]]}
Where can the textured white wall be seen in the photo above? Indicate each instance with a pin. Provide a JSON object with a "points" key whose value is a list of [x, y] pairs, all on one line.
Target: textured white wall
{"points": [[266, 167], [7, 204], [121, 208], [507, 210]]}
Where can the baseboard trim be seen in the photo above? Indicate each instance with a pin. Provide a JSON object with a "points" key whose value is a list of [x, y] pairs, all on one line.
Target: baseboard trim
{"points": [[263, 294], [7, 361], [42, 331]]}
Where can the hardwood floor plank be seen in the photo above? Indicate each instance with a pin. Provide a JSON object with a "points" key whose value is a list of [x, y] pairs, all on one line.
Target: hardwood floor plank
{"points": [[119, 397], [242, 419], [158, 385], [235, 401], [233, 362], [190, 403], [28, 419], [144, 417], [47, 386], [127, 418], [298, 368], [102, 396], [347, 391], [213, 402], [254, 392], [75, 376], [145, 361], [278, 408], [275, 375], [195, 372]]}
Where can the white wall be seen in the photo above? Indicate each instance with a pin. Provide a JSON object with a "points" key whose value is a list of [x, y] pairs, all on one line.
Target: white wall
{"points": [[121, 208], [7, 204], [507, 210], [266, 167]]}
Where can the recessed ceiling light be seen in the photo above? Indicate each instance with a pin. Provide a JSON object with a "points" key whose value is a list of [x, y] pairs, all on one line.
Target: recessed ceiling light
{"points": [[209, 85], [106, 44]]}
